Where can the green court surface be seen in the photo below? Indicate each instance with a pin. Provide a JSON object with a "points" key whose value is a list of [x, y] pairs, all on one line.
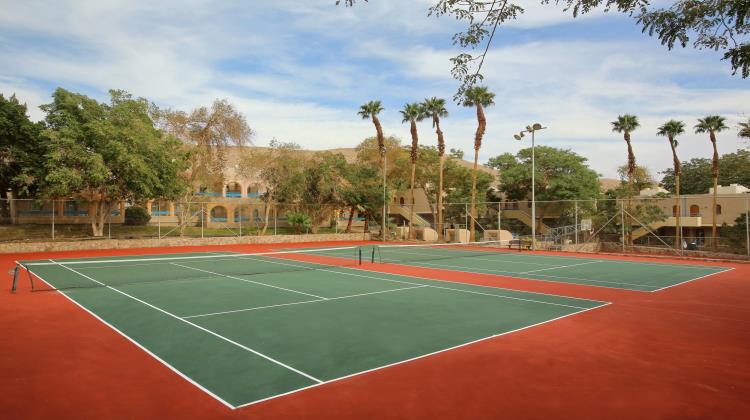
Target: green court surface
{"points": [[630, 275], [245, 328]]}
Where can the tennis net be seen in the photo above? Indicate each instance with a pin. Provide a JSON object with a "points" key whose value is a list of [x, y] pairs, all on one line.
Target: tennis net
{"points": [[427, 252], [70, 274]]}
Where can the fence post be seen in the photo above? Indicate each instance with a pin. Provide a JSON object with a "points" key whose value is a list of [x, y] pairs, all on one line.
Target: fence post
{"points": [[576, 227], [747, 225], [275, 216], [622, 224], [466, 218], [203, 214], [499, 218], [53, 220], [240, 212]]}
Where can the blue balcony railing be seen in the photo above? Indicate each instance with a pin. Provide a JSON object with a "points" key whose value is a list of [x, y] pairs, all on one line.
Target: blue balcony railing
{"points": [[233, 194]]}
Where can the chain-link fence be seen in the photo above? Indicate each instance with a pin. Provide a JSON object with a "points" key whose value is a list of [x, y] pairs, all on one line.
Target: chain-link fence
{"points": [[64, 220], [659, 224]]}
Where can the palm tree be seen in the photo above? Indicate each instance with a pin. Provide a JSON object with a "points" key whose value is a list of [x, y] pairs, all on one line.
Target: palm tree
{"points": [[371, 110], [626, 124], [412, 113], [479, 97], [712, 124], [435, 108], [744, 129], [671, 129]]}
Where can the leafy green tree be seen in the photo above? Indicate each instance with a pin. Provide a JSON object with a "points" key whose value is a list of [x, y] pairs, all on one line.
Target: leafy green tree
{"points": [[478, 97], [456, 153], [20, 147], [626, 124], [744, 129], [671, 129], [412, 113], [435, 108], [561, 174], [107, 153], [696, 173], [713, 124], [719, 25], [324, 178], [736, 234], [278, 166]]}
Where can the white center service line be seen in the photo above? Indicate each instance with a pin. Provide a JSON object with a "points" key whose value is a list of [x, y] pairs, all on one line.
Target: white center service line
{"points": [[302, 302], [560, 266]]}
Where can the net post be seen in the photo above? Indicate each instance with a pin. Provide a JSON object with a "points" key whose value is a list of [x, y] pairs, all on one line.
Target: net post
{"points": [[372, 255], [15, 278], [359, 255], [31, 278]]}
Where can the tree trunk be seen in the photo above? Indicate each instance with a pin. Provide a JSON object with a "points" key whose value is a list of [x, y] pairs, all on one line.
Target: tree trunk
{"points": [[411, 207], [678, 229], [266, 214], [99, 217], [349, 222], [631, 180], [441, 152], [715, 176], [481, 127]]}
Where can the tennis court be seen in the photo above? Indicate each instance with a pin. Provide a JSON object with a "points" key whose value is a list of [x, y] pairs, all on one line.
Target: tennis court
{"points": [[249, 327], [496, 257]]}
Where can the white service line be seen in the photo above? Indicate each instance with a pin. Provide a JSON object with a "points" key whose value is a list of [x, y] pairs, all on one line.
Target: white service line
{"points": [[302, 302], [242, 346], [249, 281], [560, 266]]}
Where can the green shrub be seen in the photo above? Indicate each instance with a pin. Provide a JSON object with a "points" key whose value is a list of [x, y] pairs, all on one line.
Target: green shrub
{"points": [[136, 216], [299, 222]]}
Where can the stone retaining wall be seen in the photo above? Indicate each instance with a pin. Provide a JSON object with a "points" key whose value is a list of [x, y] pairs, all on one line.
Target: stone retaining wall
{"points": [[18, 247]]}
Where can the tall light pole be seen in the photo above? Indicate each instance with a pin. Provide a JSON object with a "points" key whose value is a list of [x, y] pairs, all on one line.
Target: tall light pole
{"points": [[533, 128]]}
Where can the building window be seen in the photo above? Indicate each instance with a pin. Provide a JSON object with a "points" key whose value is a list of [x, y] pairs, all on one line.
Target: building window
{"points": [[401, 201], [674, 210], [695, 210], [718, 209], [218, 214]]}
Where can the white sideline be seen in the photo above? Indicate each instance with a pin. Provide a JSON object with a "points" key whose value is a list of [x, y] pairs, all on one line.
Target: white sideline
{"points": [[257, 353], [137, 344], [302, 302]]}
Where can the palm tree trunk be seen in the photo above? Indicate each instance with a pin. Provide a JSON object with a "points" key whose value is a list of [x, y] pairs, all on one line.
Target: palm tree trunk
{"points": [[631, 176], [715, 175], [678, 232], [381, 149], [441, 152], [473, 196], [440, 201], [411, 207], [481, 126]]}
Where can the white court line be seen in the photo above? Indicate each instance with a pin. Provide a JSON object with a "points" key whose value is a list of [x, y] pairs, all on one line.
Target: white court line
{"points": [[127, 337], [419, 357], [602, 304], [561, 266], [433, 286], [303, 302], [249, 281], [257, 353], [697, 278]]}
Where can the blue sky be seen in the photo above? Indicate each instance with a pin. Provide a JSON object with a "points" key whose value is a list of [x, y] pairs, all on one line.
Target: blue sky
{"points": [[299, 70]]}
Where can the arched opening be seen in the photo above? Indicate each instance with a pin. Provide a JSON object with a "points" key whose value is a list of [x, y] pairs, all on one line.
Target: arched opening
{"points": [[253, 191], [218, 214], [718, 209], [233, 189], [401, 201], [695, 210], [674, 210], [241, 214]]}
